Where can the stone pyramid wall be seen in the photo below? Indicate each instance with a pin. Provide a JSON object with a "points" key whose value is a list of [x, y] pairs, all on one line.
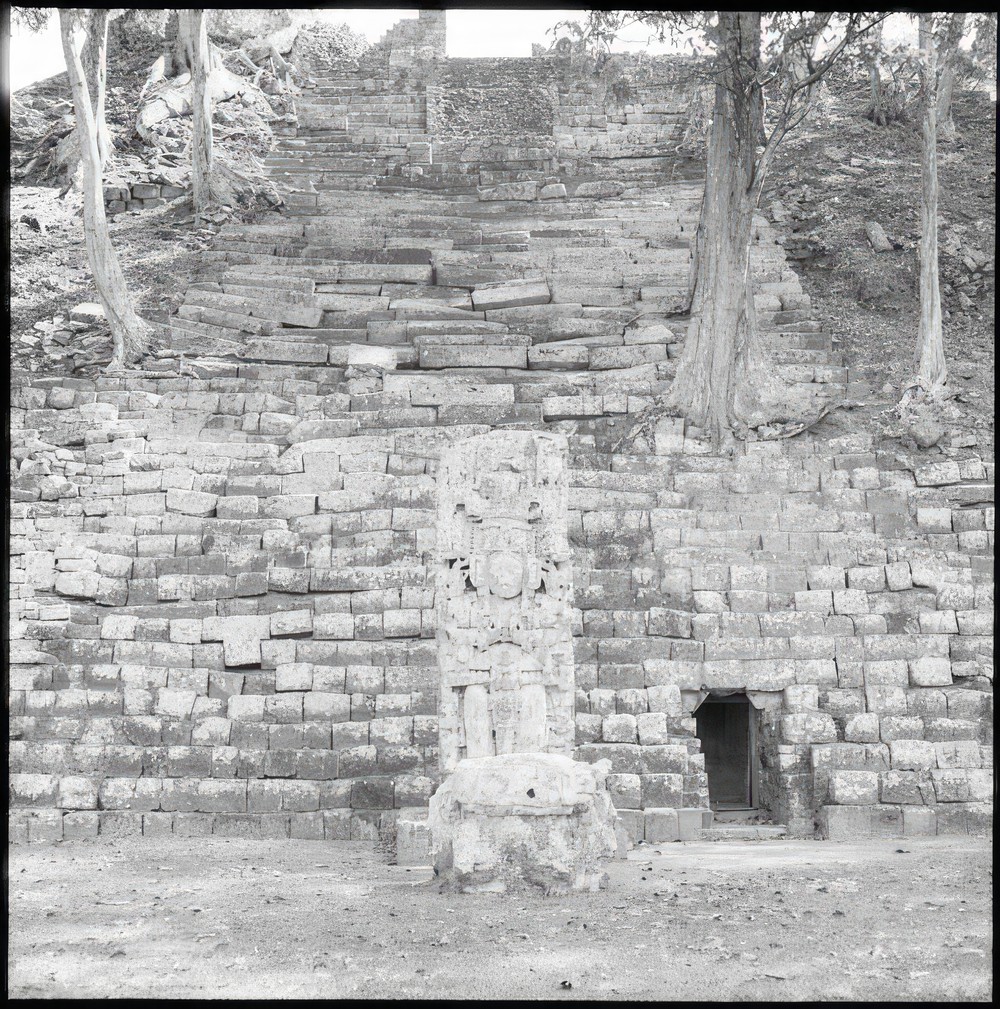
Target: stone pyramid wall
{"points": [[221, 615]]}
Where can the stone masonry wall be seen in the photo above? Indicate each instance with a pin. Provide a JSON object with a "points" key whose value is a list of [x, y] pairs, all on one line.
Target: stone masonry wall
{"points": [[447, 123], [222, 618], [215, 632], [494, 98]]}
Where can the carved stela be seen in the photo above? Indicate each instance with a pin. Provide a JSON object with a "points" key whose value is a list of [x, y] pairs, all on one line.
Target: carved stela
{"points": [[503, 592]]}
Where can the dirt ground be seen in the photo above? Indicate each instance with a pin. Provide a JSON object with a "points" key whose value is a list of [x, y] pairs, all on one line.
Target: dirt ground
{"points": [[777, 921]]}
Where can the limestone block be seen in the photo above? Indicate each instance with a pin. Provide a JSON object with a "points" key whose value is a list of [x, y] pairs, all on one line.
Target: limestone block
{"points": [[33, 789], [808, 727], [666, 699], [980, 784], [77, 825], [588, 728], [919, 821], [241, 637], [661, 825], [631, 823], [886, 821], [78, 584], [652, 728], [626, 790], [907, 787], [937, 474], [293, 676], [246, 708], [930, 671], [690, 823], [510, 191], [862, 728], [559, 357], [801, 697], [952, 785], [513, 294], [844, 823], [522, 820], [912, 755], [554, 191], [662, 790], [77, 792], [901, 727], [602, 189], [89, 312], [959, 753], [45, 825], [897, 576], [191, 502], [854, 788], [619, 729], [413, 837]]}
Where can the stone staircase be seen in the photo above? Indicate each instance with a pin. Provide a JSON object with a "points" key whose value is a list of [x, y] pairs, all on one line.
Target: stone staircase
{"points": [[222, 618]]}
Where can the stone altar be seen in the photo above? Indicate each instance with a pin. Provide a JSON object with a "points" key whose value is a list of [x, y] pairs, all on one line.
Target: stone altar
{"points": [[515, 808]]}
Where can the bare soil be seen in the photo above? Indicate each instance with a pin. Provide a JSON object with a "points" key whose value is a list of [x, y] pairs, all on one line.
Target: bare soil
{"points": [[837, 171], [780, 921]]}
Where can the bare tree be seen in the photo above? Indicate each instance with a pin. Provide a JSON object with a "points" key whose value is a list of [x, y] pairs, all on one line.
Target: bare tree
{"points": [[932, 369], [129, 332], [948, 51], [201, 112], [94, 58], [97, 67]]}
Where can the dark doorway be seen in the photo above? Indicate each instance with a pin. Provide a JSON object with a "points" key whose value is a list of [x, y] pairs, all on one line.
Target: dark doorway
{"points": [[727, 728]]}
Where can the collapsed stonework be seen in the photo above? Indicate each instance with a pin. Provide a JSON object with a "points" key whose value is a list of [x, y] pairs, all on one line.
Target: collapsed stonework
{"points": [[223, 614], [514, 807]]}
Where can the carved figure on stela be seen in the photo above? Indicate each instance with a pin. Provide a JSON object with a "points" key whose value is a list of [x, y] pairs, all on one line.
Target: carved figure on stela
{"points": [[504, 606]]}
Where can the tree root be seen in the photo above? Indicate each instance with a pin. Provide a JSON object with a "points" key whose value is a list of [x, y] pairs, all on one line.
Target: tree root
{"points": [[779, 422], [918, 392]]}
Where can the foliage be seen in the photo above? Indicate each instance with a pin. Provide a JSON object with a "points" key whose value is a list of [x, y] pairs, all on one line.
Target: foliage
{"points": [[32, 19]]}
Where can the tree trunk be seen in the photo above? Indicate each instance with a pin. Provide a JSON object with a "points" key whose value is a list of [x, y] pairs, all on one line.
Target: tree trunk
{"points": [[99, 73], [709, 389], [932, 372], [946, 89], [877, 111], [129, 333], [949, 44], [185, 42], [720, 315], [699, 241], [201, 126]]}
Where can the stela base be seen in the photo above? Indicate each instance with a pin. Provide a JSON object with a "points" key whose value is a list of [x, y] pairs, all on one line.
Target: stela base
{"points": [[522, 821]]}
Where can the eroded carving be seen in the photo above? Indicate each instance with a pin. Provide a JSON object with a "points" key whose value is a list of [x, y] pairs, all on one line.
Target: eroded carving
{"points": [[504, 598]]}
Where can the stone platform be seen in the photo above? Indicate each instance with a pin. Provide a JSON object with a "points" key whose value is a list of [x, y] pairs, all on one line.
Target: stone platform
{"points": [[517, 820]]}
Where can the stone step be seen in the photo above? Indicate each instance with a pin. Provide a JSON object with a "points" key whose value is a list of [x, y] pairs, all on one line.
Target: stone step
{"points": [[743, 832]]}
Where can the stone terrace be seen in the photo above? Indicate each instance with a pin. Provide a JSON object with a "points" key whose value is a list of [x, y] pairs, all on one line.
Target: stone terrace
{"points": [[222, 619]]}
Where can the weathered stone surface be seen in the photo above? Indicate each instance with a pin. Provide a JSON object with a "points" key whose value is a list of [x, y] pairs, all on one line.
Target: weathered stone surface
{"points": [[413, 838], [511, 191], [522, 820], [854, 788], [515, 809], [513, 294], [503, 589]]}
